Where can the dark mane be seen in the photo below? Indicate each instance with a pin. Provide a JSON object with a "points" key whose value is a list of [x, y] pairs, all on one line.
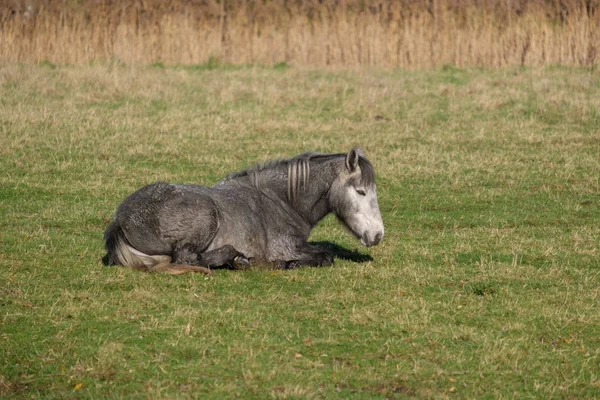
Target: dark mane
{"points": [[286, 166], [274, 165]]}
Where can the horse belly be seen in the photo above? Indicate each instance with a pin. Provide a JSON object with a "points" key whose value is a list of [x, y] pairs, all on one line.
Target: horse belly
{"points": [[241, 223], [243, 233], [255, 226]]}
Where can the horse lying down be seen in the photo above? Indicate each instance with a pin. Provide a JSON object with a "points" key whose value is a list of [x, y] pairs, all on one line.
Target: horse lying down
{"points": [[264, 213]]}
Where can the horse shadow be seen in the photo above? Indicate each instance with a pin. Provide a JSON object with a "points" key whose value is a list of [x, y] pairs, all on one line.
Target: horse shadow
{"points": [[337, 250], [343, 253]]}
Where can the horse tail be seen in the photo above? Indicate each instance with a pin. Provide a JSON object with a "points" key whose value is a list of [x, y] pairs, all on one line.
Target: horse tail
{"points": [[119, 252], [113, 237]]}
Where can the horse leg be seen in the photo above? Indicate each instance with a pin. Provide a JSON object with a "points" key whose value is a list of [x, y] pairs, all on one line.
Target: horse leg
{"points": [[226, 255], [308, 255], [178, 269], [185, 260]]}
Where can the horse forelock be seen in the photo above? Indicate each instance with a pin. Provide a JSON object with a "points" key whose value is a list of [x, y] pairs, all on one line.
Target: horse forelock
{"points": [[367, 172]]}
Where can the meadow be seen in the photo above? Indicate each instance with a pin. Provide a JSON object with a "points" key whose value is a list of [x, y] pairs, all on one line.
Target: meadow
{"points": [[486, 284]]}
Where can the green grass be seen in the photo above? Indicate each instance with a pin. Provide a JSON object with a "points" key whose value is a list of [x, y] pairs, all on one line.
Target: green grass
{"points": [[486, 285]]}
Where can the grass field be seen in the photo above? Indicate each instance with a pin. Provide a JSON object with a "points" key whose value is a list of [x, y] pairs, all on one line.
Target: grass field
{"points": [[486, 285]]}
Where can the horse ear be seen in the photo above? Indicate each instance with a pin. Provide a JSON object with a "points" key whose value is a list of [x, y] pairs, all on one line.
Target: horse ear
{"points": [[352, 158]]}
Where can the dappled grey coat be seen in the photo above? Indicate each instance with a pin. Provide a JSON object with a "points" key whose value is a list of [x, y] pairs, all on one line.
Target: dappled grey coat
{"points": [[263, 213]]}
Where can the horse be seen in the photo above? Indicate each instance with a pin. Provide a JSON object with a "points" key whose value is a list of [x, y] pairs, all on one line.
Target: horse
{"points": [[261, 214]]}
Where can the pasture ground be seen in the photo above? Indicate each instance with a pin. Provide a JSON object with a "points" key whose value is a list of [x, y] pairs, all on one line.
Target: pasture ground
{"points": [[486, 284]]}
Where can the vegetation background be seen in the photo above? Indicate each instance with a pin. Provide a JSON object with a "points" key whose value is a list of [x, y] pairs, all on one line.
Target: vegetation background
{"points": [[399, 33], [486, 285]]}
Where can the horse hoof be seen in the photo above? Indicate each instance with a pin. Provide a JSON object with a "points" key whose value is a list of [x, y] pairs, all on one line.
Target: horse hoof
{"points": [[241, 262], [293, 264], [327, 260]]}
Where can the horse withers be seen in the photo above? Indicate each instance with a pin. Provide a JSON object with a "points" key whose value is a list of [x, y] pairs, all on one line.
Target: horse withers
{"points": [[264, 213]]}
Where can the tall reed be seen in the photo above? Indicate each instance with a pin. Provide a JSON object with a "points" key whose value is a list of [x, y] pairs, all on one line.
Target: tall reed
{"points": [[401, 33]]}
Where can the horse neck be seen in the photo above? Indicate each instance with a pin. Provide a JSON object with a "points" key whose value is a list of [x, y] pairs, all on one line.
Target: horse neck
{"points": [[307, 187], [301, 184]]}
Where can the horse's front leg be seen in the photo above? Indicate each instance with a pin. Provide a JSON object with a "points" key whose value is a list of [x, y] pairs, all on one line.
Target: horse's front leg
{"points": [[223, 256], [226, 255], [307, 255]]}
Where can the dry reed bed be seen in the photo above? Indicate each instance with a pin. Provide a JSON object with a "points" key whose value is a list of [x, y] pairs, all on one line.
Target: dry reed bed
{"points": [[408, 34]]}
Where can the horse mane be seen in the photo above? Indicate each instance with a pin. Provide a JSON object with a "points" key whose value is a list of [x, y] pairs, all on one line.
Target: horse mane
{"points": [[297, 171]]}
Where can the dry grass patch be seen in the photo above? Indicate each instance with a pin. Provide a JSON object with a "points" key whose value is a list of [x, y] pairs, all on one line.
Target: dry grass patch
{"points": [[408, 34]]}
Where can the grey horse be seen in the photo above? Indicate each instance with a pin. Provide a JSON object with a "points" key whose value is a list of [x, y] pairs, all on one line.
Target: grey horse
{"points": [[264, 213]]}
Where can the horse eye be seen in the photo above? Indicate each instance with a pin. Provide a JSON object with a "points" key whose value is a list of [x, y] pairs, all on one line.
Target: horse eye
{"points": [[361, 192]]}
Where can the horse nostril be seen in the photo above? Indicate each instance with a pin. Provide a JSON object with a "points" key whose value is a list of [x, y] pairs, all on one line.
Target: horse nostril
{"points": [[377, 238]]}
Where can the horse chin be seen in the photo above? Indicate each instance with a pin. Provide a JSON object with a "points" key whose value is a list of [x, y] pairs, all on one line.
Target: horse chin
{"points": [[366, 239], [352, 231]]}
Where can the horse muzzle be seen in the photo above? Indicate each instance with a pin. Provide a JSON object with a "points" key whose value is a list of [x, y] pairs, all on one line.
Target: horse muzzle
{"points": [[371, 240]]}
